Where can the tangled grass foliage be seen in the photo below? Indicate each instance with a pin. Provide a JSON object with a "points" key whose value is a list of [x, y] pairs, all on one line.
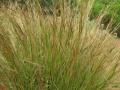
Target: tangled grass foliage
{"points": [[39, 51]]}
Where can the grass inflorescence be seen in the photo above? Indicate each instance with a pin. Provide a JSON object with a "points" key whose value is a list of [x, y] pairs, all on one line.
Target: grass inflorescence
{"points": [[59, 51]]}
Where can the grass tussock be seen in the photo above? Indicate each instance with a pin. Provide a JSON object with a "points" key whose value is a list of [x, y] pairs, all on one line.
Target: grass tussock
{"points": [[40, 51]]}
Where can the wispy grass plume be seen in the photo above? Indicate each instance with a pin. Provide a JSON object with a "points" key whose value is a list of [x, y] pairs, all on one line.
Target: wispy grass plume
{"points": [[59, 51]]}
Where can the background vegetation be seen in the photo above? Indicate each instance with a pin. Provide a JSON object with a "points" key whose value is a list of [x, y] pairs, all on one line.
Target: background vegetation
{"points": [[112, 5]]}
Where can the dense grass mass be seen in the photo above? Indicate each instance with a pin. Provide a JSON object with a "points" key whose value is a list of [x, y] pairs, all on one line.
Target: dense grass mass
{"points": [[39, 51]]}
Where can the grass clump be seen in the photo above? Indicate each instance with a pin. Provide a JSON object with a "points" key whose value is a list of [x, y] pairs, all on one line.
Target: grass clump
{"points": [[39, 51]]}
